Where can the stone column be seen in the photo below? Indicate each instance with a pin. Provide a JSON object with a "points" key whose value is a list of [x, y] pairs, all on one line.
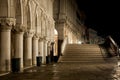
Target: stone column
{"points": [[52, 50], [28, 49], [45, 55], [49, 57], [60, 29], [49, 47], [19, 48], [5, 43], [35, 49], [43, 49], [40, 48]]}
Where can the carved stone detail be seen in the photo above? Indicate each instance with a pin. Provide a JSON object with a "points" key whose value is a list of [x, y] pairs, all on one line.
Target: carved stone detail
{"points": [[19, 28], [36, 36], [41, 39], [45, 38], [7, 23], [29, 33]]}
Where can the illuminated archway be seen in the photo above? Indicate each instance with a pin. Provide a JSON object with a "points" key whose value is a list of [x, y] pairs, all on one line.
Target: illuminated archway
{"points": [[55, 42]]}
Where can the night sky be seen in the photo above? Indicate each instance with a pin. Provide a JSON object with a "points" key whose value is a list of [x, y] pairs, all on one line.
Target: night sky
{"points": [[103, 16]]}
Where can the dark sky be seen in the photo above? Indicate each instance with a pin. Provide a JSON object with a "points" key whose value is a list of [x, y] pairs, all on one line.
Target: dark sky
{"points": [[103, 16]]}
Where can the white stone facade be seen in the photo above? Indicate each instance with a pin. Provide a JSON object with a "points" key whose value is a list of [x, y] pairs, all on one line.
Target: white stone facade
{"points": [[23, 25], [27, 30], [67, 23]]}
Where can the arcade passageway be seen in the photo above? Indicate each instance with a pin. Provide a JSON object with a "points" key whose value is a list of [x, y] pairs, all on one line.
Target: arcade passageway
{"points": [[68, 71], [48, 40]]}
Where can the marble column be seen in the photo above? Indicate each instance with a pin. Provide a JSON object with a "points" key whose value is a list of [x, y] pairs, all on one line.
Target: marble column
{"points": [[5, 43], [48, 55], [60, 29], [28, 49], [35, 49], [19, 48], [45, 55], [42, 49], [48, 47]]}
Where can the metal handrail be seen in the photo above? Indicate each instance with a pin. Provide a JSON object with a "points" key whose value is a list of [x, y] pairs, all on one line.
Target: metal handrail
{"points": [[113, 45]]}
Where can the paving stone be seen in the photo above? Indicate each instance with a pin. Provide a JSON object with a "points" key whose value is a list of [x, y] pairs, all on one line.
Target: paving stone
{"points": [[68, 71]]}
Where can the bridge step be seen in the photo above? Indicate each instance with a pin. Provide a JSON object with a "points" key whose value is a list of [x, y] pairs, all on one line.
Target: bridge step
{"points": [[85, 53]]}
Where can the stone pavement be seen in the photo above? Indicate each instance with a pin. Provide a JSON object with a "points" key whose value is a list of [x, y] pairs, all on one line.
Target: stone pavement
{"points": [[4, 73], [67, 71]]}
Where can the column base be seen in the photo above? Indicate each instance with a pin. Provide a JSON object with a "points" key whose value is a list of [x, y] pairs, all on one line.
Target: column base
{"points": [[34, 63], [5, 66], [28, 63]]}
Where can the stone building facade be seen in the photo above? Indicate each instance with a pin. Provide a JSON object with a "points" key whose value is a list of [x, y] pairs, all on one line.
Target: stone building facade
{"points": [[93, 36], [68, 22], [28, 30]]}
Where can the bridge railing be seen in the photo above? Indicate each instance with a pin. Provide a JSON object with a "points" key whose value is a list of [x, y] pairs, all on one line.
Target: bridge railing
{"points": [[112, 45]]}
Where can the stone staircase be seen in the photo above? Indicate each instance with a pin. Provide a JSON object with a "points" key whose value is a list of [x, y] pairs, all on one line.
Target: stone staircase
{"points": [[85, 53]]}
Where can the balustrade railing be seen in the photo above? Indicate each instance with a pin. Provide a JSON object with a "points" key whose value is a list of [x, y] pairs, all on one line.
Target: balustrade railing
{"points": [[110, 43]]}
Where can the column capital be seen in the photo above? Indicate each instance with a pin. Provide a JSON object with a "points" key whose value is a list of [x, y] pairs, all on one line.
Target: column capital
{"points": [[36, 36], [19, 28], [29, 33], [41, 39], [7, 23], [45, 38]]}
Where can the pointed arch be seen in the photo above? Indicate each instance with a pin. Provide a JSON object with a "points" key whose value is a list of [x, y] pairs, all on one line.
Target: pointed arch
{"points": [[3, 6], [28, 17], [19, 12], [31, 14], [38, 21], [7, 8]]}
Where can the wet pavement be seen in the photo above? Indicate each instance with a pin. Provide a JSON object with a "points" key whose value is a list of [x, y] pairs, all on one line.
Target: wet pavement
{"points": [[68, 71]]}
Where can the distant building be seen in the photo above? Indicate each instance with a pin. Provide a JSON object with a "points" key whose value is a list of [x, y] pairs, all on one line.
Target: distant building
{"points": [[92, 36], [100, 40]]}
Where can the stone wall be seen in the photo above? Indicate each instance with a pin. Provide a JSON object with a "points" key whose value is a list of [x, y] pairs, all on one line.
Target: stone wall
{"points": [[67, 23], [26, 32]]}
